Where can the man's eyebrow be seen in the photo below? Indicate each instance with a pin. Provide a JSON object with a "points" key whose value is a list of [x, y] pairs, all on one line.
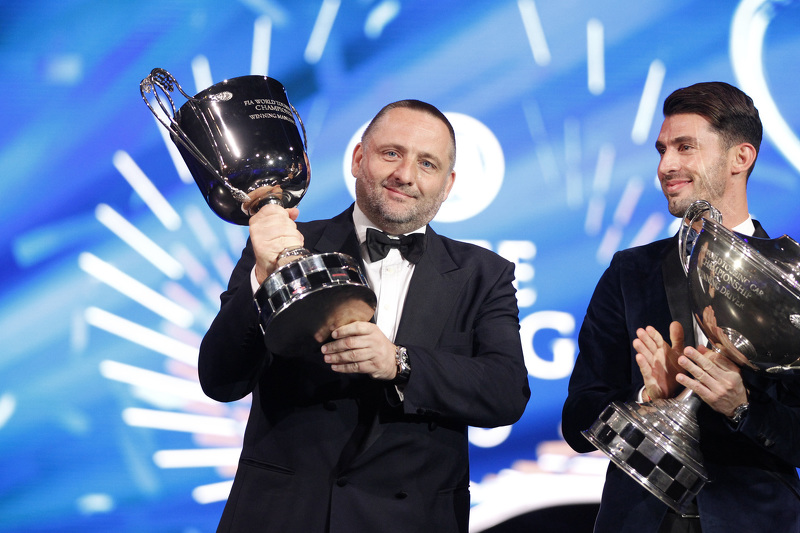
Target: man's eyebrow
{"points": [[432, 157], [403, 150], [677, 140]]}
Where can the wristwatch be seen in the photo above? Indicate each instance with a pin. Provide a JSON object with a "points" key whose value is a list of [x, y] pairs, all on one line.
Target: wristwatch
{"points": [[739, 413], [403, 367]]}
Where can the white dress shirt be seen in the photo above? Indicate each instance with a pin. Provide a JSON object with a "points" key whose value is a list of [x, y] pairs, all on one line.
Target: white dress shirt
{"points": [[389, 278]]}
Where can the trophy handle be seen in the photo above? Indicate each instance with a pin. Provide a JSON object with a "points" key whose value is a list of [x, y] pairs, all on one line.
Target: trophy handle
{"points": [[160, 79], [692, 215]]}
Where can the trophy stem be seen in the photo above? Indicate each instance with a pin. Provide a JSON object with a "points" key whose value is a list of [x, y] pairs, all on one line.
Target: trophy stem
{"points": [[657, 444]]}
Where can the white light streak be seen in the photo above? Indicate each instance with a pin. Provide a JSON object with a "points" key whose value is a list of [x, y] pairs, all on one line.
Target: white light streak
{"points": [[8, 404], [544, 150], [609, 244], [174, 154], [595, 59], [648, 102], [488, 437], [380, 17], [572, 155], [135, 290], [214, 492], [194, 268], [171, 421], [628, 201], [178, 294], [198, 273], [195, 458], [594, 215], [236, 238], [137, 240], [95, 503], [749, 25], [650, 230], [201, 70], [201, 228], [208, 239], [141, 335], [604, 168], [321, 32], [146, 190], [262, 36], [535, 32], [148, 379]]}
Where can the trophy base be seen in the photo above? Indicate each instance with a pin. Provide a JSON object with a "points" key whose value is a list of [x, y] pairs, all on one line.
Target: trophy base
{"points": [[655, 443], [302, 302]]}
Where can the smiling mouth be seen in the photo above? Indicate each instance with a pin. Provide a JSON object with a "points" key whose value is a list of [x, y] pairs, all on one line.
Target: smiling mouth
{"points": [[397, 192], [675, 185]]}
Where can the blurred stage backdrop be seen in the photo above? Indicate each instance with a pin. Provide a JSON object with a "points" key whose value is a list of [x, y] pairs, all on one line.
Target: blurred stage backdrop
{"points": [[112, 263]]}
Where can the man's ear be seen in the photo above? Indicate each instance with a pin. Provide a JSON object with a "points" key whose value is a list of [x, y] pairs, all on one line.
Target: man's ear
{"points": [[743, 157], [451, 181], [358, 155]]}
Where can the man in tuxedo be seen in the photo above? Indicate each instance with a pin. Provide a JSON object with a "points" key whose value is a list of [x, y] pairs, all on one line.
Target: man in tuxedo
{"points": [[749, 423], [370, 433]]}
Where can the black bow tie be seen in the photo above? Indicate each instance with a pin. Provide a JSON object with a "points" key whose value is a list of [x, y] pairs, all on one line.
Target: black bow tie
{"points": [[411, 246]]}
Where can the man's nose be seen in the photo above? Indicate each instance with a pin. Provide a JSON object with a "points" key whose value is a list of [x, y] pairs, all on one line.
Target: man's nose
{"points": [[668, 163], [405, 171]]}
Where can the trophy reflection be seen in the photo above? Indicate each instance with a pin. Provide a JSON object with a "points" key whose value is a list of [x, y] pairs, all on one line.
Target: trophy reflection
{"points": [[745, 295], [242, 145]]}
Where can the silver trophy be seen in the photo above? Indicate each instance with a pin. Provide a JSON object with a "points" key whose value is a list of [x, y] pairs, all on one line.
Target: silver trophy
{"points": [[241, 144], [745, 295]]}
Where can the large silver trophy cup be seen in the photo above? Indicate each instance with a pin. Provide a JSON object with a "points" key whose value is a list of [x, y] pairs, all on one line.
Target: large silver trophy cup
{"points": [[241, 144], [745, 295]]}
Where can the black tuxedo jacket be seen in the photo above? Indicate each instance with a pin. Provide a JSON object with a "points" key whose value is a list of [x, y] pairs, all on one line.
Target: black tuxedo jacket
{"points": [[329, 452], [754, 484]]}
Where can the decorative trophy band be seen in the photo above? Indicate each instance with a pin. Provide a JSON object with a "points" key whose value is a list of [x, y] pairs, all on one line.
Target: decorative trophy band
{"points": [[242, 146], [745, 295]]}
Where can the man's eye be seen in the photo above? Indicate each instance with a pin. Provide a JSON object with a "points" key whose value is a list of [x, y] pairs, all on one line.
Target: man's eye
{"points": [[427, 164], [391, 153]]}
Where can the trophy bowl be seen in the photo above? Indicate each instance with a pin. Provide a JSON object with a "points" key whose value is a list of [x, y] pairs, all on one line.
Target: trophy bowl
{"points": [[242, 145], [745, 294], [239, 140]]}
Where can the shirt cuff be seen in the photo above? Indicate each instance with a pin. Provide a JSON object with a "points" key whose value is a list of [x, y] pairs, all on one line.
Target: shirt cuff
{"points": [[254, 285]]}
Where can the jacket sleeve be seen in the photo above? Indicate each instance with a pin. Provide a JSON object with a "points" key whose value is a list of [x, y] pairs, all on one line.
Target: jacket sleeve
{"points": [[603, 369], [475, 375], [773, 420], [232, 353]]}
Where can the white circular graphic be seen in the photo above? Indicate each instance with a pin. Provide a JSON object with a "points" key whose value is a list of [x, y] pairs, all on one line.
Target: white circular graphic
{"points": [[480, 168]]}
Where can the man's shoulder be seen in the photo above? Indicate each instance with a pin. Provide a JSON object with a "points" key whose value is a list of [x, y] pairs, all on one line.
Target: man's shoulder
{"points": [[463, 251], [653, 251]]}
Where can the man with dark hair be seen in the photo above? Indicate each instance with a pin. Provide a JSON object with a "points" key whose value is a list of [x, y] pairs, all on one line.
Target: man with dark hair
{"points": [[370, 433], [749, 424]]}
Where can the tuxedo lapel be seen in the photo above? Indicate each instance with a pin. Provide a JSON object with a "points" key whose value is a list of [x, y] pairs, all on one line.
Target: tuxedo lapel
{"points": [[436, 283], [338, 235], [676, 285]]}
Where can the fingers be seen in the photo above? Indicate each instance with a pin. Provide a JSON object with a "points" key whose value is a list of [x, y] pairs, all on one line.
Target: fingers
{"points": [[711, 371], [676, 335], [361, 347], [273, 230], [648, 342]]}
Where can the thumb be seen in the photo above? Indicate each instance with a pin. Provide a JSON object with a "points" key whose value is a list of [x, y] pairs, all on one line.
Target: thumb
{"points": [[676, 336]]}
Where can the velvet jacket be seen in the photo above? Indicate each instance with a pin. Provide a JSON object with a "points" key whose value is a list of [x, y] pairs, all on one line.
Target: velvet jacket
{"points": [[754, 483]]}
